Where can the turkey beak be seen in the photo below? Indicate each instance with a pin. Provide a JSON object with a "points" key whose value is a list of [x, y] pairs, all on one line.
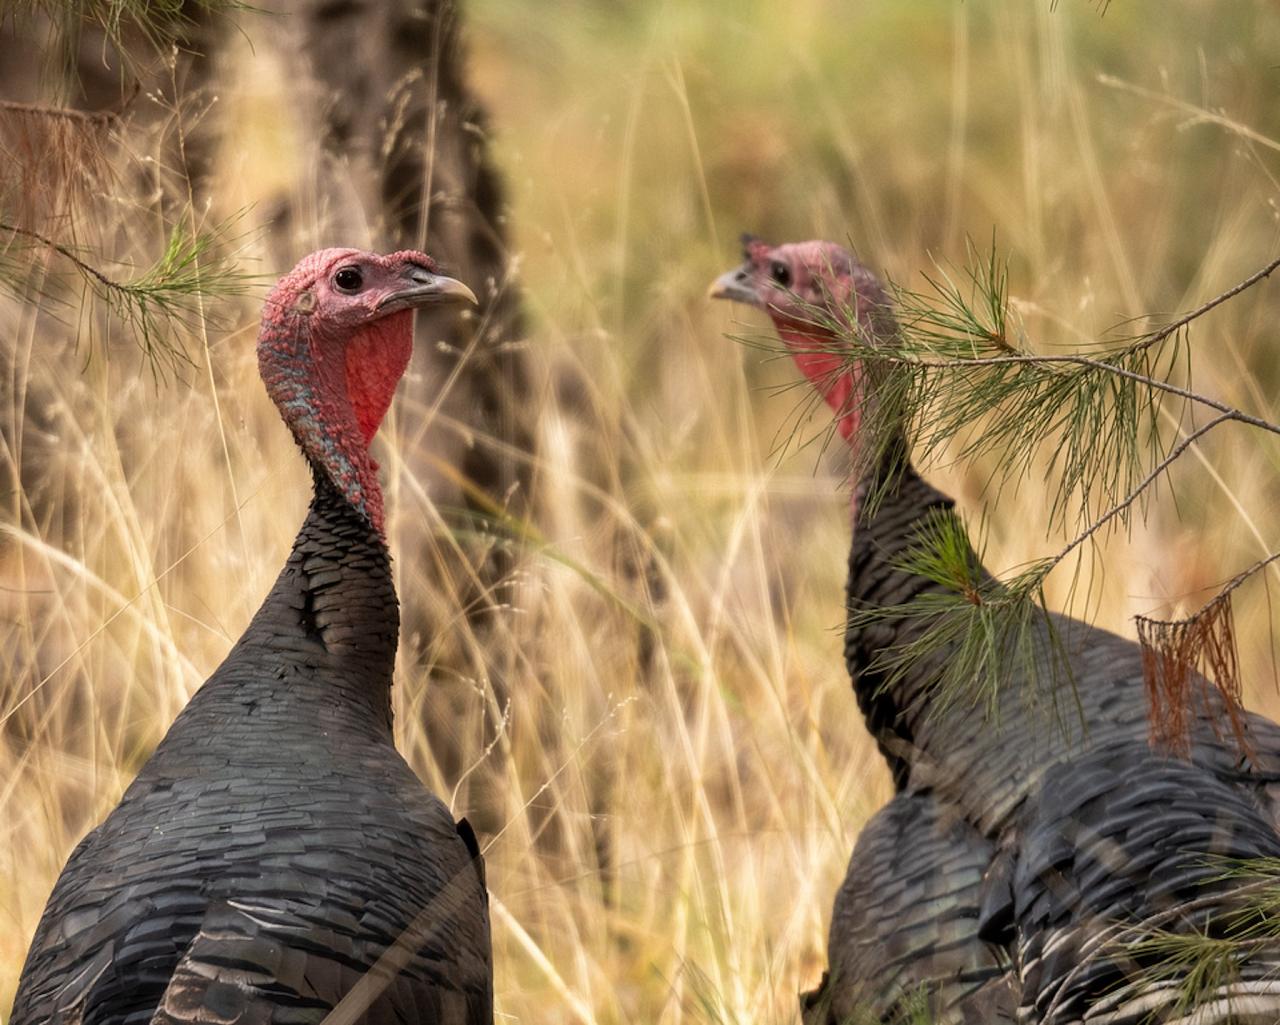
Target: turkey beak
{"points": [[736, 286], [423, 287]]}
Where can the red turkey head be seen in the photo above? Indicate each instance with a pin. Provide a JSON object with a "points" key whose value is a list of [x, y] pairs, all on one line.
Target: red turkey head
{"points": [[337, 332], [812, 290]]}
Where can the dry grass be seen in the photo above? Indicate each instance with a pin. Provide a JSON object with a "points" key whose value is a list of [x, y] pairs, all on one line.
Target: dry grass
{"points": [[680, 769]]}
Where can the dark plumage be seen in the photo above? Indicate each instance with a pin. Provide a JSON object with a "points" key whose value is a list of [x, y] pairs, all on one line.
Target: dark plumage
{"points": [[903, 923], [276, 846], [1074, 810]]}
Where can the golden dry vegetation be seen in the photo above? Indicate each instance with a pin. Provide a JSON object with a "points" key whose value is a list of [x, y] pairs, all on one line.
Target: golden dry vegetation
{"points": [[675, 763]]}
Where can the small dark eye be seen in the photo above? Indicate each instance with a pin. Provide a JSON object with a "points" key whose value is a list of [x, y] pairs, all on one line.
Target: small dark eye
{"points": [[780, 273], [349, 279]]}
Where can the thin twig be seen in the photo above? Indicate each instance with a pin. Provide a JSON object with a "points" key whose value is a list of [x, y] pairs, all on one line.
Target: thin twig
{"points": [[1224, 594], [1086, 361], [1201, 310], [97, 117], [1107, 366], [62, 250], [1133, 495], [1244, 575]]}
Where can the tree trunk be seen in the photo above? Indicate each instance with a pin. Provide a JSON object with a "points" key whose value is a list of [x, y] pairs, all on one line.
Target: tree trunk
{"points": [[394, 106], [403, 147]]}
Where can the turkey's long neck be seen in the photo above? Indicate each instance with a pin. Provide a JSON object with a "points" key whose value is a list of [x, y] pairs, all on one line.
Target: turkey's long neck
{"points": [[330, 625], [883, 532]]}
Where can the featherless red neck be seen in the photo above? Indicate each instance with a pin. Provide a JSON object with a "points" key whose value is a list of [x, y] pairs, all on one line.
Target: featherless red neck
{"points": [[337, 333]]}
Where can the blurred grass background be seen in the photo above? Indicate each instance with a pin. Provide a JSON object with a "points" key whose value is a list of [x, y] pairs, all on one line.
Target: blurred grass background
{"points": [[683, 766]]}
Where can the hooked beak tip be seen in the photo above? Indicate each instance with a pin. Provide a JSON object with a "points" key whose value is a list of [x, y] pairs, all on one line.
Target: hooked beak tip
{"points": [[426, 288], [442, 289], [731, 285]]}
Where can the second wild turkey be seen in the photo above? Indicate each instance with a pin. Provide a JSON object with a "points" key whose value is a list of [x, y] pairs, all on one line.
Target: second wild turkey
{"points": [[1024, 858], [276, 857]]}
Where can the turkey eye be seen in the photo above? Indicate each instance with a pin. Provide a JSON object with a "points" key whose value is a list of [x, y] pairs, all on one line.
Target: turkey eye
{"points": [[780, 273], [349, 279]]}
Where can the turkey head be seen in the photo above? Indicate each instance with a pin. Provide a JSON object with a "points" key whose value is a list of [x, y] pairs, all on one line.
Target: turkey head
{"points": [[337, 333], [813, 291]]}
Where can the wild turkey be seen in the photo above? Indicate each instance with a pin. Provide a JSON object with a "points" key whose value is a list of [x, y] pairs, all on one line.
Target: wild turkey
{"points": [[1071, 812], [276, 856]]}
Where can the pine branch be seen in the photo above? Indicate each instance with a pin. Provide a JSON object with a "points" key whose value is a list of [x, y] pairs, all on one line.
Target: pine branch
{"points": [[977, 633], [960, 358], [955, 363], [1195, 961], [166, 295], [1104, 366]]}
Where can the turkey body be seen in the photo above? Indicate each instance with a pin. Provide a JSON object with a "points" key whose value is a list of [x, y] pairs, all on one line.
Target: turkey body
{"points": [[1084, 837], [276, 845], [987, 760], [902, 939]]}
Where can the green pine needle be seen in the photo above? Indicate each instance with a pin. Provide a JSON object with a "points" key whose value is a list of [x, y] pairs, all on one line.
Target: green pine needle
{"points": [[174, 290], [961, 359], [156, 305], [978, 634], [1198, 963]]}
